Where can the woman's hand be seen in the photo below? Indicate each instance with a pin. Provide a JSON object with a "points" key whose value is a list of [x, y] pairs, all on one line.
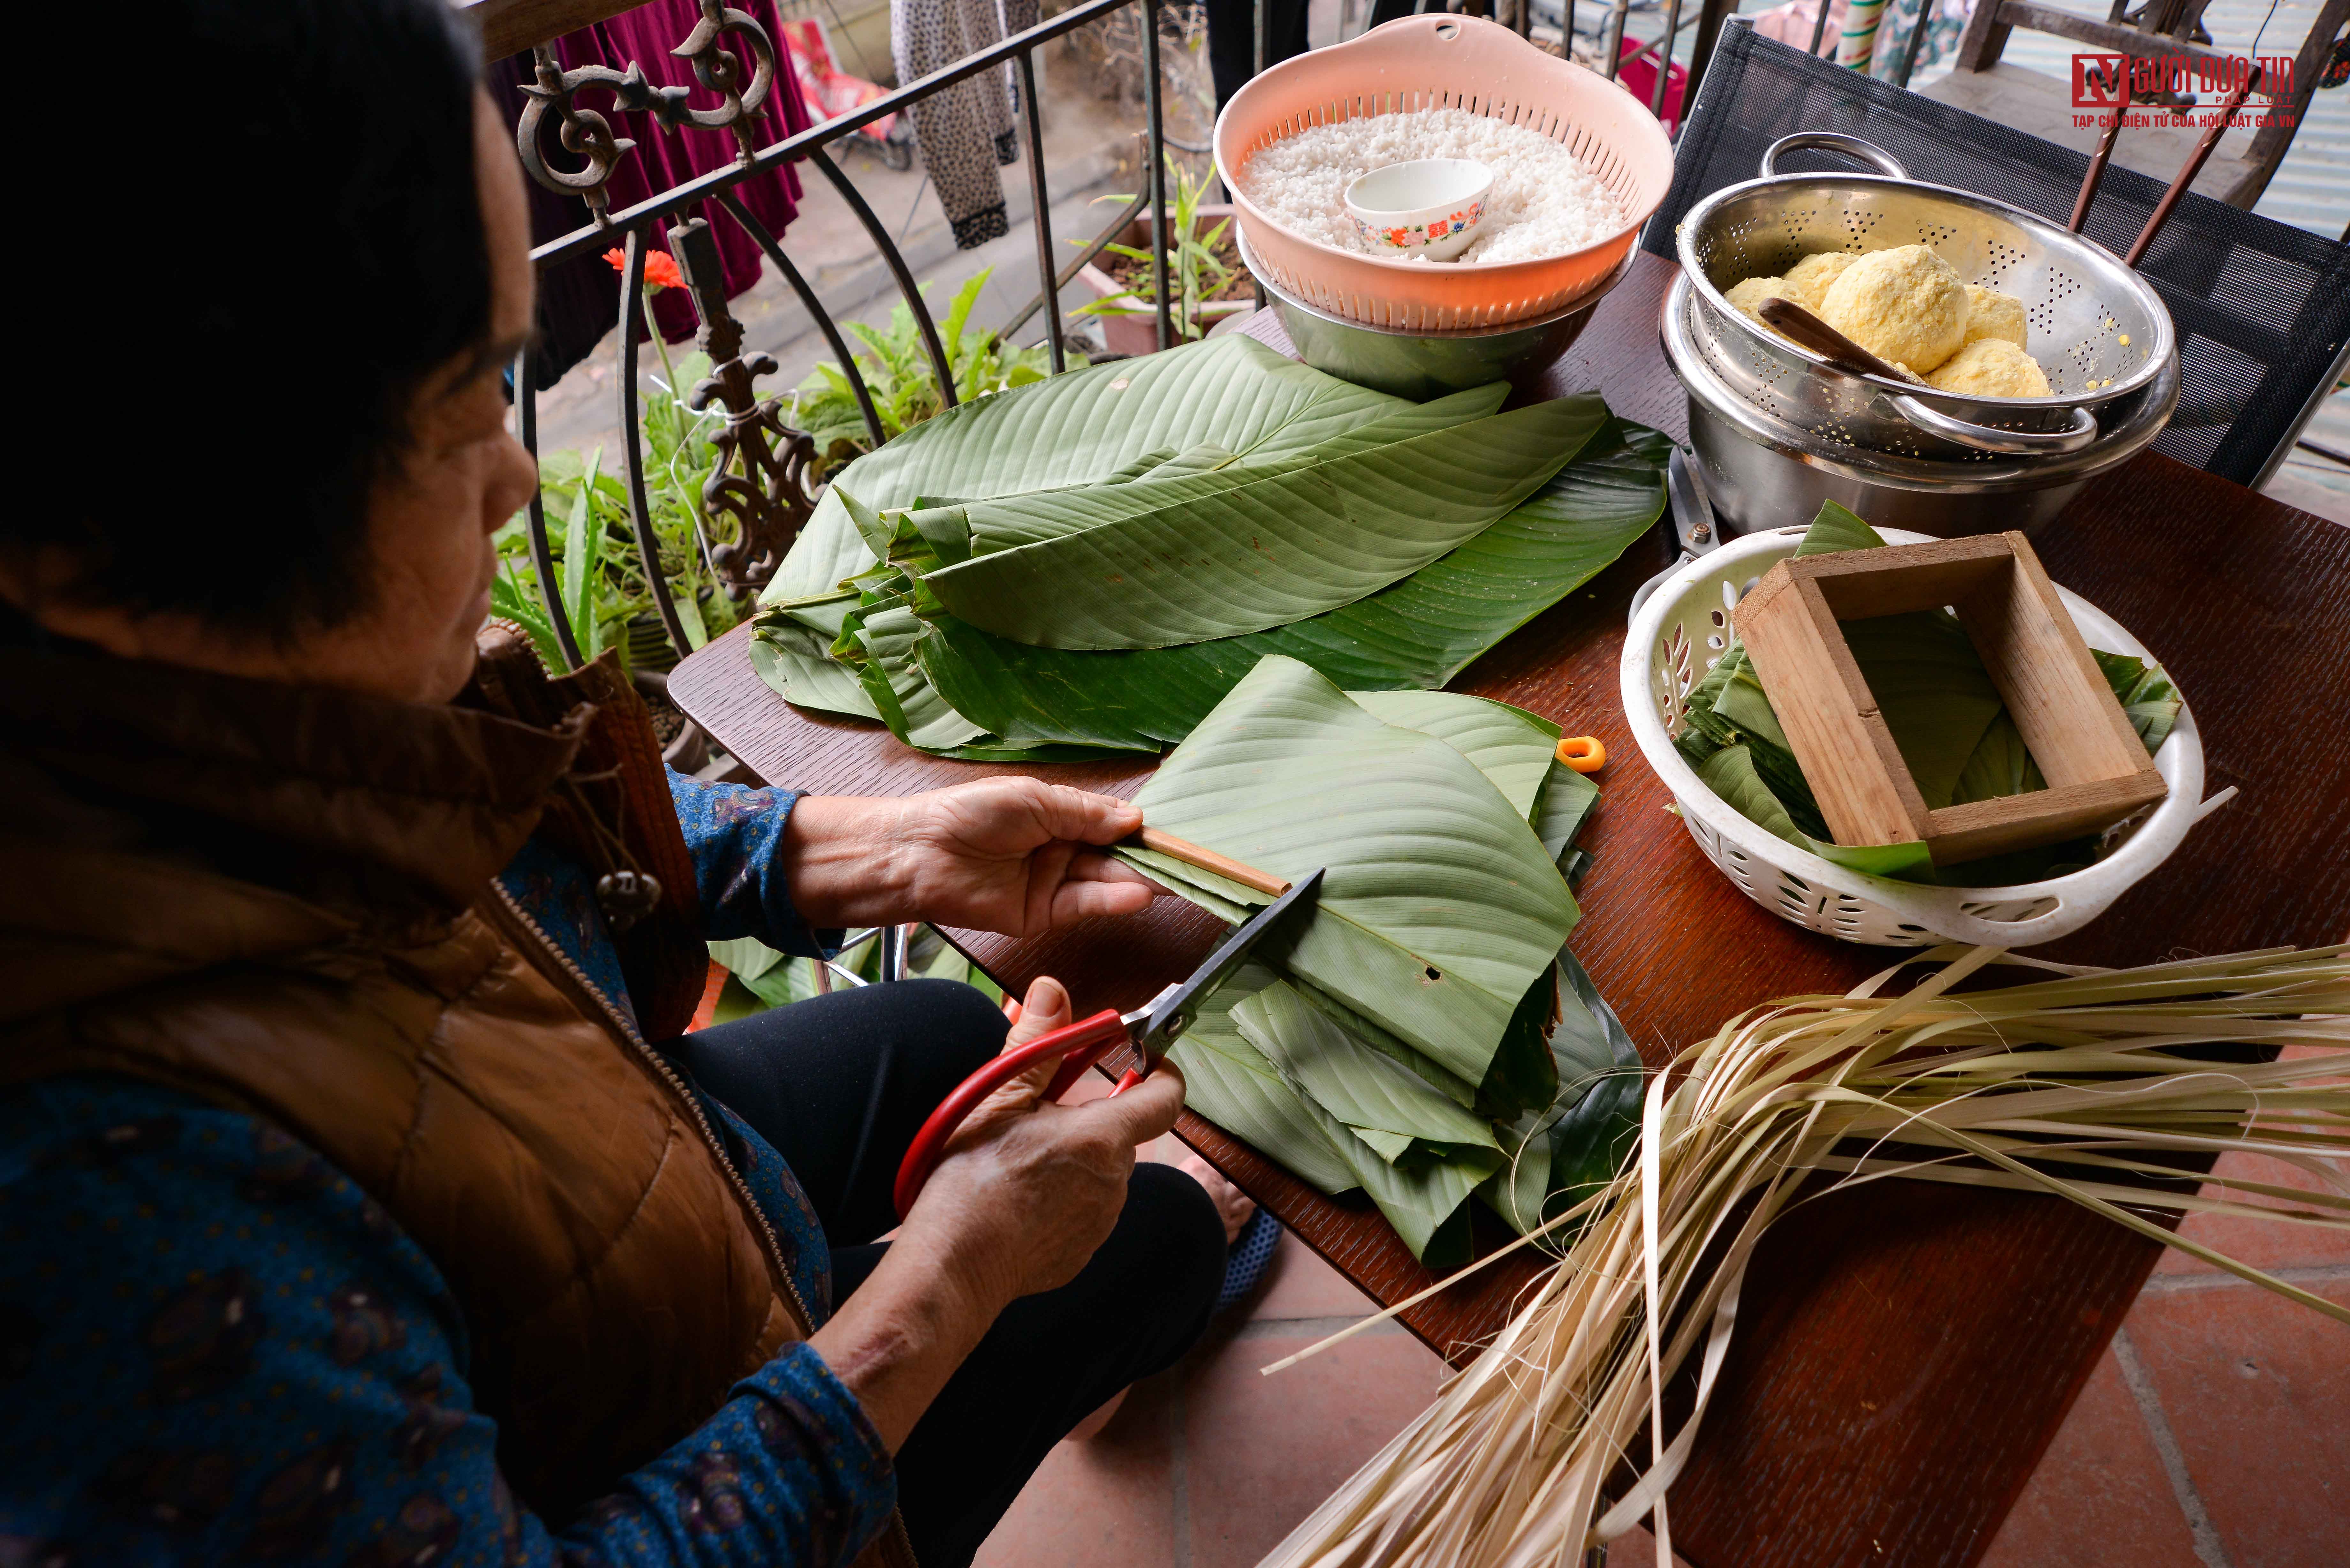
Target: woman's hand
{"points": [[1011, 855], [1027, 1193], [1029, 1190]]}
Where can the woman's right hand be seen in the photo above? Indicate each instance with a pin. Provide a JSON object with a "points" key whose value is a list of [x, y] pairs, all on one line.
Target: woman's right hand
{"points": [[1027, 1193]]}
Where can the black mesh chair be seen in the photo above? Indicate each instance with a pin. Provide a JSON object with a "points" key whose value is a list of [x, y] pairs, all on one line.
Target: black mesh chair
{"points": [[2263, 308]]}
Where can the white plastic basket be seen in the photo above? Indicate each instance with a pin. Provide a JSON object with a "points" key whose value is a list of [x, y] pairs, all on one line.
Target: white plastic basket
{"points": [[1682, 631]]}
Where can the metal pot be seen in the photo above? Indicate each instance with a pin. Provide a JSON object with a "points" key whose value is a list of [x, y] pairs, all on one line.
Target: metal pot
{"points": [[2100, 332], [1424, 365], [1763, 471]]}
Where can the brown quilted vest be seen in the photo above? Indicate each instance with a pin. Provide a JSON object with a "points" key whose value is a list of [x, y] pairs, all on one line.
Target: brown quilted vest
{"points": [[282, 899]]}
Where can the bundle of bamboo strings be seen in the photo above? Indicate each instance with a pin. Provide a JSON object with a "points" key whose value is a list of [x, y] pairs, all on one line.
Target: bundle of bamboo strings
{"points": [[2040, 1086]]}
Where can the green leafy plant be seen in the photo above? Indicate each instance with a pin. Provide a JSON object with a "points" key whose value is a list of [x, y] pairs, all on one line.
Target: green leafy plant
{"points": [[903, 383], [1193, 268], [607, 594]]}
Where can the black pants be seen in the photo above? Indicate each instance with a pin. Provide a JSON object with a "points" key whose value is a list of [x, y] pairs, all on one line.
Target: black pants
{"points": [[839, 1084], [1232, 40]]}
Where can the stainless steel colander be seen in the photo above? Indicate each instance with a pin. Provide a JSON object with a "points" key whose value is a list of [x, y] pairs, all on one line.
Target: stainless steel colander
{"points": [[2098, 328]]}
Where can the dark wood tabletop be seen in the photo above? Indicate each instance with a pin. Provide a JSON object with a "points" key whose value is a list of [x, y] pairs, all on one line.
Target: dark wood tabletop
{"points": [[1905, 1351]]}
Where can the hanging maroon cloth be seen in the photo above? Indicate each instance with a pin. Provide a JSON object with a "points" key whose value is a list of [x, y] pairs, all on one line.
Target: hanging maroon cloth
{"points": [[581, 299]]}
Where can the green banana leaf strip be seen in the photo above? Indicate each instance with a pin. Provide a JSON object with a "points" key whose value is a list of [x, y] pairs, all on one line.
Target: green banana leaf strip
{"points": [[1362, 1089], [1562, 1155], [1440, 906], [1420, 632], [1565, 803], [1165, 562], [1221, 896]]}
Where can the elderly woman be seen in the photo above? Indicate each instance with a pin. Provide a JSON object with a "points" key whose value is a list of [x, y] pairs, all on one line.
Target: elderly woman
{"points": [[361, 1199]]}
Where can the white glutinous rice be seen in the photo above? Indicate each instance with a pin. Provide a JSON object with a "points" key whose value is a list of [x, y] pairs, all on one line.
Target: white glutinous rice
{"points": [[1544, 203]]}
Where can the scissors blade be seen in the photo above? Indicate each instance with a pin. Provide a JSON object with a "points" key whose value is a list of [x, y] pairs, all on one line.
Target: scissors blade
{"points": [[1172, 1010]]}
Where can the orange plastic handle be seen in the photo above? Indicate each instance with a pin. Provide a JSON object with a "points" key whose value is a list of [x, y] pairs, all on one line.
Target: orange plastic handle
{"points": [[1078, 1046], [1583, 754]]}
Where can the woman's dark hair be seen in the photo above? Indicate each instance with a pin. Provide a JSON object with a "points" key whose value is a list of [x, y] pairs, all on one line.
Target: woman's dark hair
{"points": [[277, 243]]}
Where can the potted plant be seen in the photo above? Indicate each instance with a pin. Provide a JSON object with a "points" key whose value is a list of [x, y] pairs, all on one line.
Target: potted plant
{"points": [[1204, 272]]}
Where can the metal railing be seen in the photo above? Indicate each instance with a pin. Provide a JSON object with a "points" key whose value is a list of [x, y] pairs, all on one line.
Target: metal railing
{"points": [[760, 482]]}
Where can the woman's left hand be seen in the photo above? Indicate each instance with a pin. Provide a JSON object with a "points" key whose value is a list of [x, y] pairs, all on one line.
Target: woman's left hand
{"points": [[1010, 855]]}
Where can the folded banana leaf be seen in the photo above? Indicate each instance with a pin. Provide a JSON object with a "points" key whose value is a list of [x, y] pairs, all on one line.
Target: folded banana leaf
{"points": [[1227, 1082], [1513, 749], [1563, 1153], [1384, 1104], [1440, 907]]}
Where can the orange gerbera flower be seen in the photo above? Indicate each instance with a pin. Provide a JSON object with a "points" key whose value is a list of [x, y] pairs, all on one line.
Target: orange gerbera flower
{"points": [[660, 268]]}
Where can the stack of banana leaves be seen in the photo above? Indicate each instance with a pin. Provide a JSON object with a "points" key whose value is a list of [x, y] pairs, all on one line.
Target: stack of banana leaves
{"points": [[1420, 1032], [1087, 565]]}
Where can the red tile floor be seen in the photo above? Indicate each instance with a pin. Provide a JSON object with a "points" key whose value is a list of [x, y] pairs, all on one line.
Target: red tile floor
{"points": [[2216, 1431]]}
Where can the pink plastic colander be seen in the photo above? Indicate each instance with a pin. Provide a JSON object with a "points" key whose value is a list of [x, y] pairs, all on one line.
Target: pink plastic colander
{"points": [[1444, 62]]}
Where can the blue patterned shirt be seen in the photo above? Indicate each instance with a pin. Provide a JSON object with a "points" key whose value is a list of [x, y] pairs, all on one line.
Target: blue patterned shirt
{"points": [[215, 1348]]}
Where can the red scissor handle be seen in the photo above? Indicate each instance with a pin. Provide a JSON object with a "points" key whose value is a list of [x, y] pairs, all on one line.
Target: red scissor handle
{"points": [[1078, 1046]]}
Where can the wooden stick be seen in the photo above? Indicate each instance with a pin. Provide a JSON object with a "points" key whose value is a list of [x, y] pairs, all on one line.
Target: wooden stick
{"points": [[2191, 167], [1223, 866], [2097, 174]]}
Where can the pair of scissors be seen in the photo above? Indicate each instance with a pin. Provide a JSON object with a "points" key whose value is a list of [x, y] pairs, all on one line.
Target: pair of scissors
{"points": [[1151, 1029]]}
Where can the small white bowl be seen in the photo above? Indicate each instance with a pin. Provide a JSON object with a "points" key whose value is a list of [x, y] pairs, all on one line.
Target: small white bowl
{"points": [[1426, 211]]}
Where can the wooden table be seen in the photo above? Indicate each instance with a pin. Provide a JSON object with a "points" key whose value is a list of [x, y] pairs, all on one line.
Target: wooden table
{"points": [[1906, 1351]]}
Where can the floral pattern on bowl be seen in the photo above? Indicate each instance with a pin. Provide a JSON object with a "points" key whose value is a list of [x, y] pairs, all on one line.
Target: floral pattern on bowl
{"points": [[1412, 236]]}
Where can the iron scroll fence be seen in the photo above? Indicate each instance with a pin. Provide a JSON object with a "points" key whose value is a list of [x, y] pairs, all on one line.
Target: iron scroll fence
{"points": [[761, 483]]}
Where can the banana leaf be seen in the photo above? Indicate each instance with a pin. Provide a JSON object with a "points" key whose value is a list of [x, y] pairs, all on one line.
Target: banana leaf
{"points": [[1565, 803], [1079, 428], [1365, 1090], [1246, 547], [1425, 1199], [1227, 1082], [1440, 907], [1419, 632], [1562, 1154], [1730, 774], [1513, 749]]}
